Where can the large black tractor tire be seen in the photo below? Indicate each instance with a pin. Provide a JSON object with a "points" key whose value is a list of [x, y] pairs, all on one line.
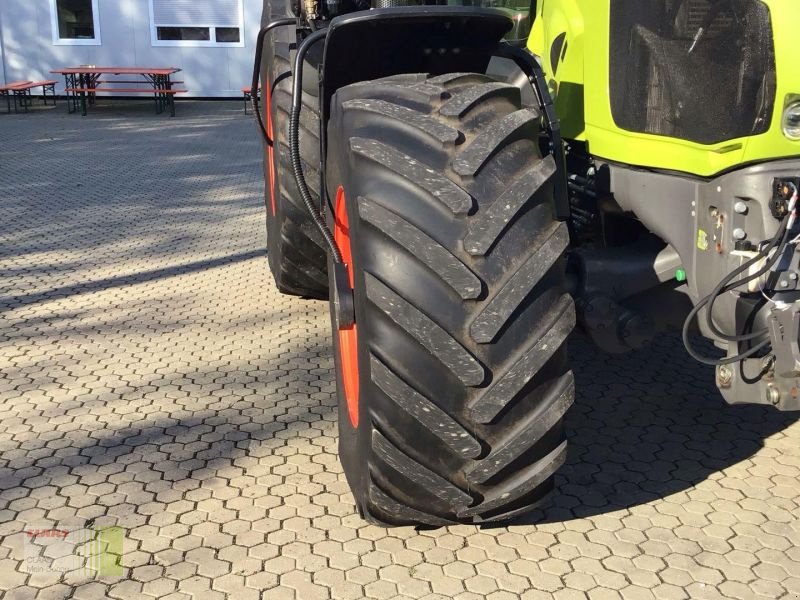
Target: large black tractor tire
{"points": [[453, 384], [295, 248]]}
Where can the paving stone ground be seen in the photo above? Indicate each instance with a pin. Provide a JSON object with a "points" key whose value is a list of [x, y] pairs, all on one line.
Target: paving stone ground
{"points": [[152, 378]]}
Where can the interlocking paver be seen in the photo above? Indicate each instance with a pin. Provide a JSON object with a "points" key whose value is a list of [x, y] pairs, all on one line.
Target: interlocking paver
{"points": [[152, 378]]}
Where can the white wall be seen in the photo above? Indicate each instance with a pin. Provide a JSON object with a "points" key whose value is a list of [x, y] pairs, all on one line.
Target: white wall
{"points": [[28, 51]]}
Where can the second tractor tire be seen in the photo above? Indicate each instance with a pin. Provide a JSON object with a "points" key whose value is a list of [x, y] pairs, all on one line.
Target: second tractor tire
{"points": [[453, 383], [295, 248]]}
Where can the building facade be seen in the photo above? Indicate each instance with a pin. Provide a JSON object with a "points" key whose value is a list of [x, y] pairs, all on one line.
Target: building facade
{"points": [[213, 41]]}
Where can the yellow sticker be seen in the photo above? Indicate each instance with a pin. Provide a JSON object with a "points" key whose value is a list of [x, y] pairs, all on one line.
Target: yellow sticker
{"points": [[702, 239]]}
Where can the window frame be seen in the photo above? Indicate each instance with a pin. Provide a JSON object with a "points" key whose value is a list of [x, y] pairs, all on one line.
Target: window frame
{"points": [[212, 31], [59, 41]]}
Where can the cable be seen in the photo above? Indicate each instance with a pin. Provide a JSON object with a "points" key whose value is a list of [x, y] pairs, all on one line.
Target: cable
{"points": [[780, 240], [721, 361], [724, 286], [294, 143], [783, 235], [256, 82]]}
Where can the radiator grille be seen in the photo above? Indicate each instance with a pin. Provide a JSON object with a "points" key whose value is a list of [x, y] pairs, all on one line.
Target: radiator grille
{"points": [[665, 80]]}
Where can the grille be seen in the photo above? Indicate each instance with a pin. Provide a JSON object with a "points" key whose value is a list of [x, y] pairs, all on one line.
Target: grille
{"points": [[666, 80], [696, 13]]}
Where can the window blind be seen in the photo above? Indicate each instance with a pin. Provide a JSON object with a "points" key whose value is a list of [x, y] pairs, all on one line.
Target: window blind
{"points": [[190, 13]]}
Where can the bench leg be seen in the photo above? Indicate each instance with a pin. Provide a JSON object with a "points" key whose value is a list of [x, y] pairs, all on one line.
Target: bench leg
{"points": [[26, 98], [84, 83], [69, 97]]}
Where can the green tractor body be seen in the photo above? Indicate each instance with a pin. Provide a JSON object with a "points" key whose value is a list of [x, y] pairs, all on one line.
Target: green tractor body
{"points": [[625, 80], [468, 182], [690, 110]]}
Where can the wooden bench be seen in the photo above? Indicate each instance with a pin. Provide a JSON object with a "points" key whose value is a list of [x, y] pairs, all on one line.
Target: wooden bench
{"points": [[23, 92], [163, 98], [128, 81], [139, 90], [7, 90], [247, 91]]}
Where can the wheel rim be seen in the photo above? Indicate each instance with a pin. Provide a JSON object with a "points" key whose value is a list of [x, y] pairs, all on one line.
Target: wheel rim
{"points": [[347, 336], [270, 148]]}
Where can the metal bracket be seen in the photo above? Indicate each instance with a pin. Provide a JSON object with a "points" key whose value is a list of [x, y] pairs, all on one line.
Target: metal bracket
{"points": [[773, 380], [535, 74], [344, 311], [784, 333]]}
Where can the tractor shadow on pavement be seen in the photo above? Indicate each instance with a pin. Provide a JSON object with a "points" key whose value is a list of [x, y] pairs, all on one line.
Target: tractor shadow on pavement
{"points": [[647, 425]]}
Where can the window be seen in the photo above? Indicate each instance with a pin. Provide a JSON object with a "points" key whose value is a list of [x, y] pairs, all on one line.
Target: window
{"points": [[197, 22], [231, 35], [170, 34], [75, 22]]}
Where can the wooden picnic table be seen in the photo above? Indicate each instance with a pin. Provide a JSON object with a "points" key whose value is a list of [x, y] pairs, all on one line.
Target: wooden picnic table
{"points": [[8, 90], [22, 92], [83, 83]]}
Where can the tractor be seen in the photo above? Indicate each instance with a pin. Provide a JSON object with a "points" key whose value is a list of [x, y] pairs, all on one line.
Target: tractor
{"points": [[467, 182]]}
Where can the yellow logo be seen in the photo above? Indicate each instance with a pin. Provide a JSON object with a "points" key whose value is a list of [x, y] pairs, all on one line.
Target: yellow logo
{"points": [[702, 239]]}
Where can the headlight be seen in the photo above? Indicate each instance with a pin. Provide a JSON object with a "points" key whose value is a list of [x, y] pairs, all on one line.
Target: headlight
{"points": [[791, 121]]}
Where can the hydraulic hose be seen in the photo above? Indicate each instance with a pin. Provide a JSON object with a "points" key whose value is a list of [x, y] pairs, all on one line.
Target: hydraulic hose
{"points": [[781, 239], [294, 144], [722, 361]]}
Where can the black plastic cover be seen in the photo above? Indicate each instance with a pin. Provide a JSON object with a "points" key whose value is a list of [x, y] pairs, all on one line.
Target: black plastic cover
{"points": [[426, 39]]}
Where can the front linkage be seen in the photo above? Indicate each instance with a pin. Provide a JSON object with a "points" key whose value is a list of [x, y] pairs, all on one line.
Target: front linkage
{"points": [[737, 234], [759, 324]]}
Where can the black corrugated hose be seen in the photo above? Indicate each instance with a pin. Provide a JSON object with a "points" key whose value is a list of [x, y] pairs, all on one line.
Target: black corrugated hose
{"points": [[294, 122], [294, 143]]}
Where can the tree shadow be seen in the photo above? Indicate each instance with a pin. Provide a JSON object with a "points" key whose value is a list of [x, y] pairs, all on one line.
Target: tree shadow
{"points": [[107, 283], [172, 434], [125, 187], [646, 425]]}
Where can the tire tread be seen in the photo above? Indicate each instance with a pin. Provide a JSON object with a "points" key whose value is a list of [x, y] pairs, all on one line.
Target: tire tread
{"points": [[428, 333], [461, 300]]}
